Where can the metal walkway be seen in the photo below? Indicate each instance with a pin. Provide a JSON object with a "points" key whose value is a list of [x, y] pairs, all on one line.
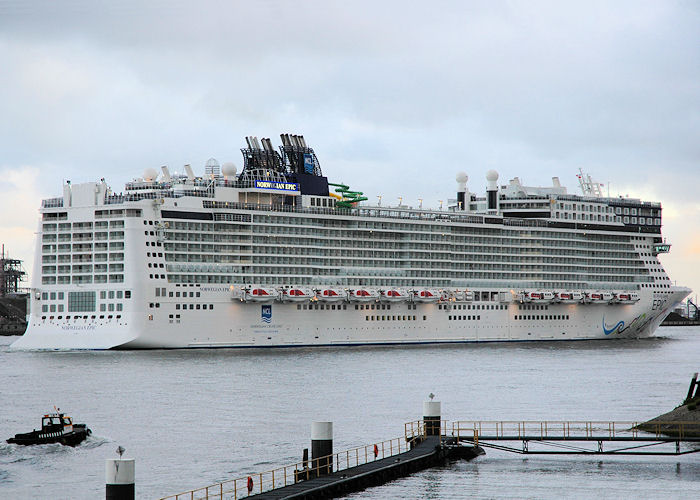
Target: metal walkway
{"points": [[423, 455], [576, 438]]}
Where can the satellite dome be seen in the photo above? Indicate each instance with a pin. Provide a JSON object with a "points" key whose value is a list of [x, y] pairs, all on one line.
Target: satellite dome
{"points": [[150, 174], [229, 169], [462, 177], [492, 175]]}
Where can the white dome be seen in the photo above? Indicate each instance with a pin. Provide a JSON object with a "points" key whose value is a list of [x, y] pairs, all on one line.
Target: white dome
{"points": [[229, 169], [462, 177], [150, 174], [492, 175]]}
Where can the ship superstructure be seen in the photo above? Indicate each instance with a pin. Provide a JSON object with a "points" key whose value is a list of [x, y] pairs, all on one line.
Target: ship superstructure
{"points": [[275, 256]]}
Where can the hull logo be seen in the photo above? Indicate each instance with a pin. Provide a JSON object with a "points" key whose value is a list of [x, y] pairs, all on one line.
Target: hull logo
{"points": [[266, 314], [619, 327], [638, 323]]}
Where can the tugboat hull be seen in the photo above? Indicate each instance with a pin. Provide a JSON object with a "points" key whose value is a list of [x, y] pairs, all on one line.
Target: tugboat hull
{"points": [[73, 438]]}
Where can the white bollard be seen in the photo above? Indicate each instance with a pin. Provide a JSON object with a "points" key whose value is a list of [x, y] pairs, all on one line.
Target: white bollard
{"points": [[119, 479], [432, 417], [322, 446]]}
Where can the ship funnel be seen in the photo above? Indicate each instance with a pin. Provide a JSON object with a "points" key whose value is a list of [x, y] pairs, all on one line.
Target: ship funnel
{"points": [[492, 189], [462, 192], [555, 182], [166, 173], [189, 172]]}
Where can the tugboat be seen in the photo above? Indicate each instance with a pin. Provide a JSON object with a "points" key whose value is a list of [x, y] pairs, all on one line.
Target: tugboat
{"points": [[55, 428]]}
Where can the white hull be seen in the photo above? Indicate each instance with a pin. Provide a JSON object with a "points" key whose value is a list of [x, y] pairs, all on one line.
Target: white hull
{"points": [[236, 324]]}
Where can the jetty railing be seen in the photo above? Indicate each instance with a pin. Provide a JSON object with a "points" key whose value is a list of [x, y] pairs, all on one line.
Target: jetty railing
{"points": [[280, 477], [506, 430]]}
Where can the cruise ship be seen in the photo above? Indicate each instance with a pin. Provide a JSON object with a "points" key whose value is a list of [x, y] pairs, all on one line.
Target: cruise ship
{"points": [[277, 256]]}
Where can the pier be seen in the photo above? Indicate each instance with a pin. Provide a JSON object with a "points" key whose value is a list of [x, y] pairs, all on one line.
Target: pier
{"points": [[428, 443], [354, 469]]}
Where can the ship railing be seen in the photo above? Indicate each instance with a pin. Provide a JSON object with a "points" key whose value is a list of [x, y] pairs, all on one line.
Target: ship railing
{"points": [[627, 430], [293, 473]]}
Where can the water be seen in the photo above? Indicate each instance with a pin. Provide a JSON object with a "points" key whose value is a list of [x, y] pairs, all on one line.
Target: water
{"points": [[192, 418]]}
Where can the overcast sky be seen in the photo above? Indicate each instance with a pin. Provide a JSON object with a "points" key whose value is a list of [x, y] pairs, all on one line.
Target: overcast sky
{"points": [[395, 97]]}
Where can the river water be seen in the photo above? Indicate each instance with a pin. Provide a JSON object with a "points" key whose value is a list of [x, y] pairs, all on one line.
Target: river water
{"points": [[193, 418]]}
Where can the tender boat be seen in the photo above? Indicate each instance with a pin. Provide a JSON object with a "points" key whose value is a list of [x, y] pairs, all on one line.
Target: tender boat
{"points": [[599, 297], [297, 294], [55, 428], [627, 297], [426, 295], [331, 294], [394, 295], [569, 297], [363, 295], [541, 297], [260, 294]]}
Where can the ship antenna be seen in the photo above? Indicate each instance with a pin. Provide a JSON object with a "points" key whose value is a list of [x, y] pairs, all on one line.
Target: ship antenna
{"points": [[120, 451]]}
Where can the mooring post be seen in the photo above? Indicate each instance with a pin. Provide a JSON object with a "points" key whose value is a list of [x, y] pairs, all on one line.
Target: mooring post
{"points": [[431, 417], [322, 446], [691, 389], [119, 479]]}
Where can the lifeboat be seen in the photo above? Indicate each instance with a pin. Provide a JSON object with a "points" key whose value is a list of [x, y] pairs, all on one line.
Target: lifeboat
{"points": [[260, 294], [363, 295], [539, 297], [428, 295], [627, 297], [599, 297], [459, 295], [296, 294], [331, 294], [394, 295], [569, 297]]}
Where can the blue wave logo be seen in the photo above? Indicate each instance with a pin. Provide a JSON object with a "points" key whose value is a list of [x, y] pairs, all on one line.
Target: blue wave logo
{"points": [[266, 314], [615, 329]]}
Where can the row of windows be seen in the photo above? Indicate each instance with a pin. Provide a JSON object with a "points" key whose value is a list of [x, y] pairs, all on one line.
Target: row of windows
{"points": [[193, 306], [533, 307], [112, 235], [81, 279], [111, 307], [464, 318], [328, 307], [519, 317], [392, 318], [66, 226], [75, 318], [52, 308], [476, 307]]}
